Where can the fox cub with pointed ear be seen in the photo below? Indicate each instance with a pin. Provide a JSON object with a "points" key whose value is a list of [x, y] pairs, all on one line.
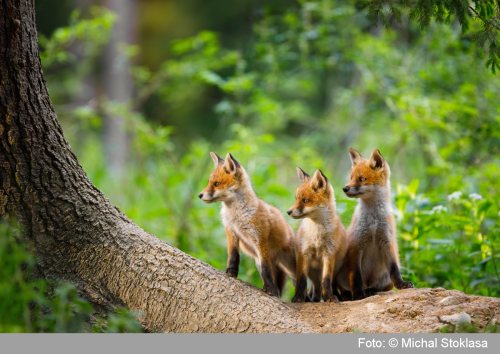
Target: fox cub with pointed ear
{"points": [[321, 235], [373, 257], [253, 226]]}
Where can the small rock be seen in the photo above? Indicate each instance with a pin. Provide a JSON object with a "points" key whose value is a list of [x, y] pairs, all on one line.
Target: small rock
{"points": [[456, 318], [438, 289], [370, 306], [452, 300]]}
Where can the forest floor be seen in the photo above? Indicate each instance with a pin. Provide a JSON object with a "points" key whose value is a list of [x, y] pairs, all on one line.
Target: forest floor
{"points": [[411, 310]]}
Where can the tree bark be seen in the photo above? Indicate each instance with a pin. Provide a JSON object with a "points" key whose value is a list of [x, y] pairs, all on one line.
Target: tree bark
{"points": [[80, 237]]}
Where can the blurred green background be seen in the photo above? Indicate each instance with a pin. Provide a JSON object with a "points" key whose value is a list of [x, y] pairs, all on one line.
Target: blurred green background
{"points": [[146, 90]]}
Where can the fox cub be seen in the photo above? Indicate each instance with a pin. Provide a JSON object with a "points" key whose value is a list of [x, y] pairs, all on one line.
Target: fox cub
{"points": [[321, 235], [251, 225], [372, 258]]}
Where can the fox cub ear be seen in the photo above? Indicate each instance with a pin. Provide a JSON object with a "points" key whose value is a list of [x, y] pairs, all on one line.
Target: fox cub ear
{"points": [[230, 164], [376, 159], [303, 176], [216, 159], [319, 180], [355, 156]]}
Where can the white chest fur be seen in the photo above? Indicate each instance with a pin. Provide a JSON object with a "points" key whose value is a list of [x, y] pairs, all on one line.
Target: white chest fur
{"points": [[317, 238], [373, 221], [239, 218]]}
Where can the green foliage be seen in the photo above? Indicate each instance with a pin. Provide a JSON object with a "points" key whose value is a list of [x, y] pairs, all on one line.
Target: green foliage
{"points": [[479, 19], [469, 328], [90, 33], [70, 53], [461, 234], [119, 321], [312, 81], [31, 304]]}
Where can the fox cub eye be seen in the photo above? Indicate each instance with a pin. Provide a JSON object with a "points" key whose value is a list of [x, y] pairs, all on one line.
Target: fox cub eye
{"points": [[216, 184], [361, 179], [305, 200]]}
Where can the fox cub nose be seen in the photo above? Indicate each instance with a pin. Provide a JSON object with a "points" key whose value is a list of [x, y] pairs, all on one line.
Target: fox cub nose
{"points": [[289, 212], [200, 195], [345, 189]]}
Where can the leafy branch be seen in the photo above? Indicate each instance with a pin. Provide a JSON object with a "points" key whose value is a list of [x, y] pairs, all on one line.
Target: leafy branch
{"points": [[484, 15]]}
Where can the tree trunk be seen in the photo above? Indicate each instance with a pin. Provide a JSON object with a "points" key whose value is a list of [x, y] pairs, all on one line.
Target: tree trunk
{"points": [[80, 237]]}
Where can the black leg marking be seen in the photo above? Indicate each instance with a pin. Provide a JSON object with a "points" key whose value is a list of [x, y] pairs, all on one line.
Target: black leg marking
{"points": [[316, 292], [269, 285], [309, 295], [300, 290], [280, 280], [336, 291], [345, 295], [326, 290], [399, 283], [233, 264], [358, 292], [370, 292]]}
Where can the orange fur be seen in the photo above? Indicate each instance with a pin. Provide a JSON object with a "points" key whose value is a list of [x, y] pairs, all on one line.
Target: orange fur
{"points": [[372, 262], [321, 235], [253, 226]]}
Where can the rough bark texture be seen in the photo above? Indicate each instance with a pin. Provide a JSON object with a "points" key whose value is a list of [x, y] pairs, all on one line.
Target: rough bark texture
{"points": [[80, 237]]}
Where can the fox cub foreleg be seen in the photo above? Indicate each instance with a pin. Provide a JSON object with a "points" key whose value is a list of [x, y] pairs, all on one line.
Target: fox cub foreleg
{"points": [[269, 278], [301, 280], [268, 269], [394, 272], [327, 279], [233, 254], [355, 277]]}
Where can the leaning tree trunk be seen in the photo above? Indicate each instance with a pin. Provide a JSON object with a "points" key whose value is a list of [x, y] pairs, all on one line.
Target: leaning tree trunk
{"points": [[81, 237]]}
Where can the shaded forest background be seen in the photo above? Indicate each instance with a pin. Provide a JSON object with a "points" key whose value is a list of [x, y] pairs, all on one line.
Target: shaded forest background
{"points": [[145, 89]]}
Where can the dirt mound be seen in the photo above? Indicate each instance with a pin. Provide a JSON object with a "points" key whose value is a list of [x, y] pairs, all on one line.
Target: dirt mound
{"points": [[411, 310]]}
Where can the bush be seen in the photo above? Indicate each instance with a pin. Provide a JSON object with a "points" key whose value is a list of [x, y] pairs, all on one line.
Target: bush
{"points": [[32, 304], [315, 79]]}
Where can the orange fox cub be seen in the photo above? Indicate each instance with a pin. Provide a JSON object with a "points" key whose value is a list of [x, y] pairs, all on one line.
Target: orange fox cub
{"points": [[251, 225], [321, 235], [373, 258]]}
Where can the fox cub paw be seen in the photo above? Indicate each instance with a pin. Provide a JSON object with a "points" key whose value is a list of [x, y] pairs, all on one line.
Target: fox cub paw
{"points": [[405, 285], [299, 298], [232, 272], [359, 295], [273, 291], [333, 298]]}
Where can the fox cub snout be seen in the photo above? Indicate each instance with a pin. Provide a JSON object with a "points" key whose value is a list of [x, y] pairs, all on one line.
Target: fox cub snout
{"points": [[373, 259], [368, 178], [225, 180], [321, 237], [251, 225]]}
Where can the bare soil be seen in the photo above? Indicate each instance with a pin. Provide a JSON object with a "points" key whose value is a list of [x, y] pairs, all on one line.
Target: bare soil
{"points": [[410, 310]]}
